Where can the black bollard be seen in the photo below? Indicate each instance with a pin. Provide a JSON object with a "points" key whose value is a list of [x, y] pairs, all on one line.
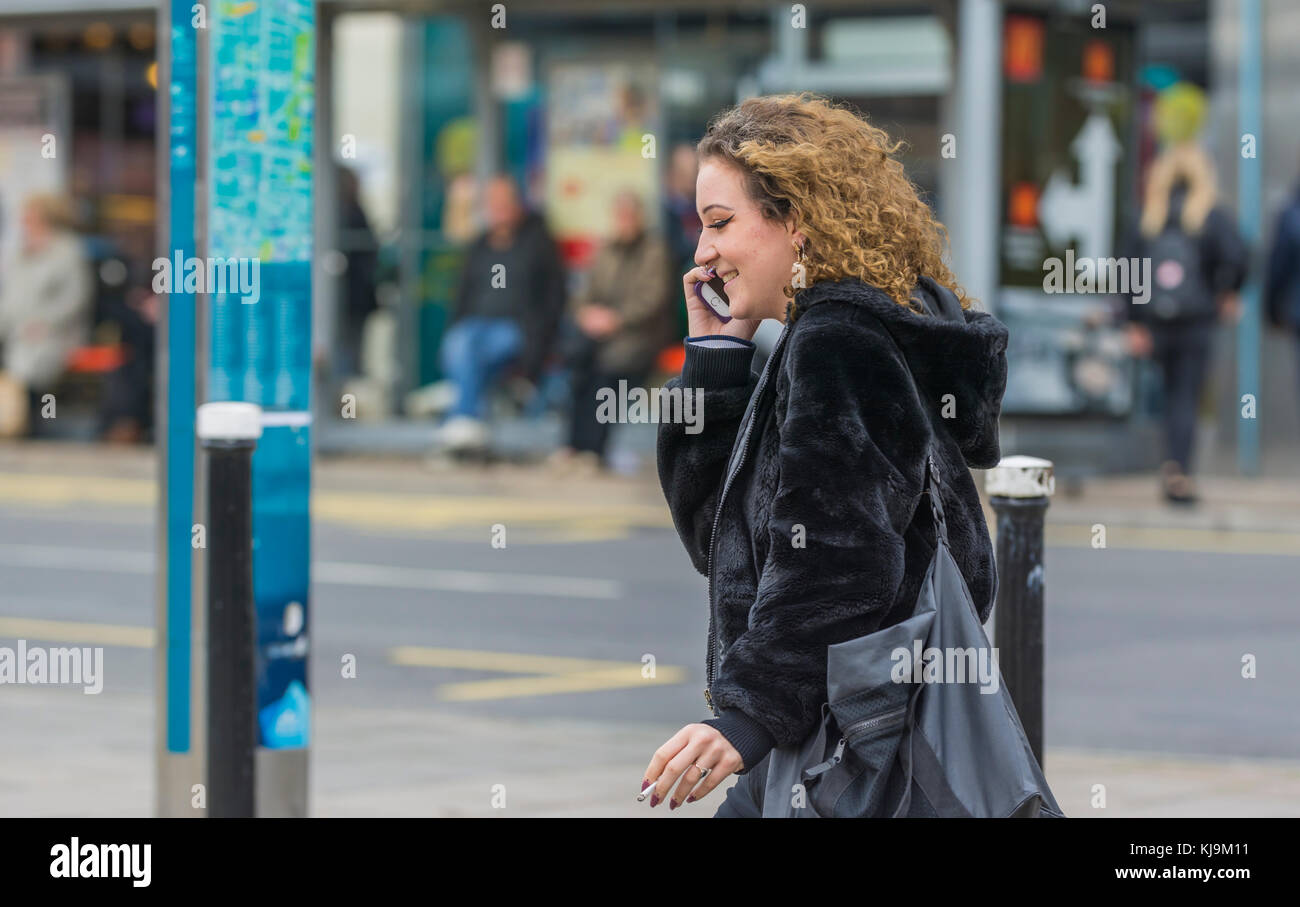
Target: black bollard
{"points": [[1019, 490], [229, 433]]}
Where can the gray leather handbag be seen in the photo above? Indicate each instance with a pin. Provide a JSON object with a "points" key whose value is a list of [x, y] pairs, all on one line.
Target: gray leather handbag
{"points": [[892, 741]]}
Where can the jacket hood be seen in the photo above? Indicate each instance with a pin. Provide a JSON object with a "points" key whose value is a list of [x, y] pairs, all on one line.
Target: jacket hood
{"points": [[949, 351]]}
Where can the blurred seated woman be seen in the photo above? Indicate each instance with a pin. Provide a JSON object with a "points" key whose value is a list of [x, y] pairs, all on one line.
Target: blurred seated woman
{"points": [[45, 302]]}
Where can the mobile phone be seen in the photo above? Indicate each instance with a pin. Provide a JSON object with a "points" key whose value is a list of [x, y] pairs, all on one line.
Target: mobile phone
{"points": [[710, 292]]}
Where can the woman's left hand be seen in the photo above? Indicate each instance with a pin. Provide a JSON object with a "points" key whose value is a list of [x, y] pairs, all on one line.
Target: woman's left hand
{"points": [[678, 762]]}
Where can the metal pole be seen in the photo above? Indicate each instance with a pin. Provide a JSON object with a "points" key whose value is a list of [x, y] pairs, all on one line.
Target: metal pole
{"points": [[1019, 489], [1248, 205], [976, 192], [229, 433], [412, 163]]}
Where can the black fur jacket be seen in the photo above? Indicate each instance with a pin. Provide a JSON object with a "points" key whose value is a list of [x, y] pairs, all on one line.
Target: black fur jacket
{"points": [[821, 537]]}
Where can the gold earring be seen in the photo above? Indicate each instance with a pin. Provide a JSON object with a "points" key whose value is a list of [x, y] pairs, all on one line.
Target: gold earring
{"points": [[799, 273]]}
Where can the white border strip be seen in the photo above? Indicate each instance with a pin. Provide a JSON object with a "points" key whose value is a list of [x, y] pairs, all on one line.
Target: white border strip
{"points": [[293, 419]]}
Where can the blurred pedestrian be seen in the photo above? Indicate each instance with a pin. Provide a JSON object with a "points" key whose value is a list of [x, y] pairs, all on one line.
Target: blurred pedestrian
{"points": [[624, 317], [681, 222], [1282, 292], [360, 250], [1197, 265], [126, 409], [506, 312], [45, 301]]}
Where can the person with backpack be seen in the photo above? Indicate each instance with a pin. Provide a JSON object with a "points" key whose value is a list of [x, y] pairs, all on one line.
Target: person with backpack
{"points": [[1282, 290], [1197, 265]]}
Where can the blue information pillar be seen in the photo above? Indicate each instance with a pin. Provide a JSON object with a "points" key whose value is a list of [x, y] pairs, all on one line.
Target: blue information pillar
{"points": [[236, 171], [261, 86], [179, 767]]}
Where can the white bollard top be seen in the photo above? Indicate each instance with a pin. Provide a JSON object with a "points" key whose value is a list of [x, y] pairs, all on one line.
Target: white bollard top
{"points": [[1021, 477], [228, 422]]}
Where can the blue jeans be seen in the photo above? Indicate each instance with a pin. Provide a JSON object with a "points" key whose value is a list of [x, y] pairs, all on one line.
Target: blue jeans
{"points": [[474, 353]]}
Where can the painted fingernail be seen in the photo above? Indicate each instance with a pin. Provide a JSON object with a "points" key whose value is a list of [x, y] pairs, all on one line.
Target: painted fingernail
{"points": [[654, 799], [645, 784], [690, 799], [672, 804]]}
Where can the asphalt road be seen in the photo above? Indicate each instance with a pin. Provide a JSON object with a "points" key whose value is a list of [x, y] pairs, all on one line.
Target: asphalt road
{"points": [[1144, 647]]}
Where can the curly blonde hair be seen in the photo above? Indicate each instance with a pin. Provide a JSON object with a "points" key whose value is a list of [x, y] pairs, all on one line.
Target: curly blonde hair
{"points": [[802, 155]]}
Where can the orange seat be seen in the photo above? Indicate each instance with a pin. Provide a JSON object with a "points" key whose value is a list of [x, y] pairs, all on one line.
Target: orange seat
{"points": [[96, 359], [671, 358]]}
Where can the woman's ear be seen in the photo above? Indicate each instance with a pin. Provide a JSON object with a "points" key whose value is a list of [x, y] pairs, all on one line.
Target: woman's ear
{"points": [[791, 228]]}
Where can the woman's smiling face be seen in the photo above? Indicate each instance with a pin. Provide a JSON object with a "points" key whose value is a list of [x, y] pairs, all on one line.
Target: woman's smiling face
{"points": [[752, 253]]}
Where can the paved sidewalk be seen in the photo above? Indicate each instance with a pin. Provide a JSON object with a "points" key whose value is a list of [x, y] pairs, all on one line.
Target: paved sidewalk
{"points": [[68, 754], [385, 495], [1227, 503], [1230, 504]]}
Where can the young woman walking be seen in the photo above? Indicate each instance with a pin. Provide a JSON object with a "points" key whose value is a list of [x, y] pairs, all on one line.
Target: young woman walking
{"points": [[812, 532]]}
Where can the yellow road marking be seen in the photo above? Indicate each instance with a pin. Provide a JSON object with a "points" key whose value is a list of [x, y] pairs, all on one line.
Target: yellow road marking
{"points": [[442, 511], [39, 488], [505, 662], [547, 684], [1149, 538], [580, 520], [544, 674], [547, 674], [591, 519], [75, 631]]}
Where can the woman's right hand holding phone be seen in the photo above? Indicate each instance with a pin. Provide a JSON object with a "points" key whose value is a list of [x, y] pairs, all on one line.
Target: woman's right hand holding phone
{"points": [[700, 318]]}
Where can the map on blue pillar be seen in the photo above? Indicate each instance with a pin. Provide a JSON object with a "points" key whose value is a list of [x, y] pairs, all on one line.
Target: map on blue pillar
{"points": [[261, 89], [263, 100]]}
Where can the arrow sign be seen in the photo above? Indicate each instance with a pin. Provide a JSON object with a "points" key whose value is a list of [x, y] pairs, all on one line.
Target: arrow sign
{"points": [[1085, 211]]}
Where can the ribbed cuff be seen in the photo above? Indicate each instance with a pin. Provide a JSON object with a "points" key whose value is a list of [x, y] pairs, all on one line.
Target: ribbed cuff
{"points": [[717, 366], [751, 739]]}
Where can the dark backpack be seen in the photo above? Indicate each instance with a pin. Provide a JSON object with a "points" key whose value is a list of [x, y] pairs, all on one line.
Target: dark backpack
{"points": [[1179, 288]]}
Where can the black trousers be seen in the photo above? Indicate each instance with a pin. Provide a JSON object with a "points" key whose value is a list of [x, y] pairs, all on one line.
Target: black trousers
{"points": [[1183, 353], [128, 393], [586, 432], [35, 422]]}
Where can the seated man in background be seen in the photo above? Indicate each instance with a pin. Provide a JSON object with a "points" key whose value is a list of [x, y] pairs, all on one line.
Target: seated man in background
{"points": [[507, 309], [625, 315]]}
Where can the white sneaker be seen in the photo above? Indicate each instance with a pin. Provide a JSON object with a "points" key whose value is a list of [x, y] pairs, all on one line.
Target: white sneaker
{"points": [[432, 399], [462, 433]]}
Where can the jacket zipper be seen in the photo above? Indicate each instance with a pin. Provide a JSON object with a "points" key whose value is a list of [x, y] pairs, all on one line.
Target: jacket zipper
{"points": [[717, 513], [858, 728]]}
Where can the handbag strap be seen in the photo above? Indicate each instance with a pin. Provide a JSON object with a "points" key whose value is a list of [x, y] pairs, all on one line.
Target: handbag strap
{"points": [[936, 505]]}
